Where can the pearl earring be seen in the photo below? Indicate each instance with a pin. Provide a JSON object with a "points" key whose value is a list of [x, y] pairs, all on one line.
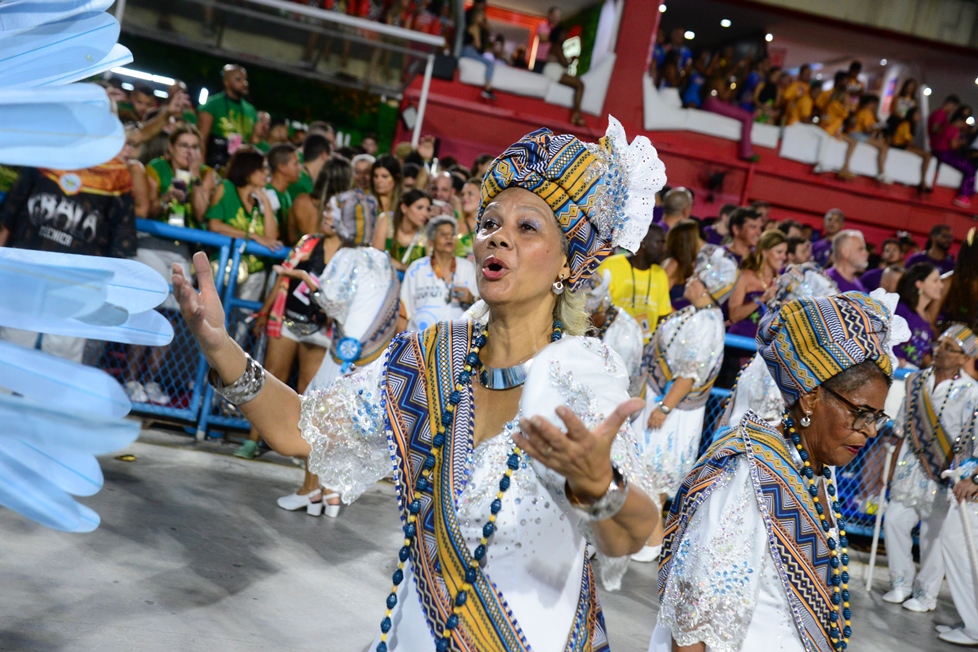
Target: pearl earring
{"points": [[558, 286], [806, 420]]}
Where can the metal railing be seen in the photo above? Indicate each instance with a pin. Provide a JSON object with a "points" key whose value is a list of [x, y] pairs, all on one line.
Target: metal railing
{"points": [[183, 375]]}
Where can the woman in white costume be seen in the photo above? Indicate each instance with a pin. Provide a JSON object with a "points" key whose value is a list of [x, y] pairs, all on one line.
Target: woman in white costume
{"points": [[615, 327], [755, 554], [935, 417], [680, 364], [358, 290], [441, 286], [495, 496], [754, 388]]}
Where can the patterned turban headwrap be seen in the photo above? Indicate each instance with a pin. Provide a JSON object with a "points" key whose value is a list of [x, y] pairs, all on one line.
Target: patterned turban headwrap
{"points": [[602, 194], [354, 217], [965, 338], [812, 339]]}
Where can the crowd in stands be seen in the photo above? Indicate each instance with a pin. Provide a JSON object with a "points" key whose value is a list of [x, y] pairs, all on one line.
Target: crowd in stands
{"points": [[229, 168], [757, 91]]}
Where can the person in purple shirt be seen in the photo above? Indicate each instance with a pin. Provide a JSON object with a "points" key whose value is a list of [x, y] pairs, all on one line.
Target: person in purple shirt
{"points": [[920, 285], [937, 252], [849, 259], [833, 222], [890, 255], [717, 232]]}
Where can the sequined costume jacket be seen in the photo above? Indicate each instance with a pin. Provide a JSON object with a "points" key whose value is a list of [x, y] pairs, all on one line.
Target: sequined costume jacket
{"points": [[535, 587]]}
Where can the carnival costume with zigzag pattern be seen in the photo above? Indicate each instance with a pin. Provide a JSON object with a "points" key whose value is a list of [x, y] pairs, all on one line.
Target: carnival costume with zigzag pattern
{"points": [[797, 543]]}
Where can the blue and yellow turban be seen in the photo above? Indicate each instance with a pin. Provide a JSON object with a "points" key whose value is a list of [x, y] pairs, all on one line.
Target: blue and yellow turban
{"points": [[602, 194], [965, 338], [812, 339]]}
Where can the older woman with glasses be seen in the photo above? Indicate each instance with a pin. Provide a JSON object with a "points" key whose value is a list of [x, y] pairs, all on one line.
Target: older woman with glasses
{"points": [[756, 548], [507, 441]]}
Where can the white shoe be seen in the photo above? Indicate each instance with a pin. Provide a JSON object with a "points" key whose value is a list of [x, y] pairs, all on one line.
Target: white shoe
{"points": [[919, 606], [898, 595], [312, 502], [958, 637], [331, 511], [136, 392], [647, 554], [941, 629], [882, 178], [156, 395]]}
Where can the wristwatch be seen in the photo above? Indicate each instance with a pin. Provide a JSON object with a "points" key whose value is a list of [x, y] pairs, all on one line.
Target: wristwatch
{"points": [[664, 409], [974, 478], [607, 505]]}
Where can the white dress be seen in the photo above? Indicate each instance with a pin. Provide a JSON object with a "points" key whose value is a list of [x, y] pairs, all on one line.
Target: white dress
{"points": [[757, 391], [423, 294], [915, 497], [724, 589], [693, 347], [353, 287], [625, 338], [536, 558]]}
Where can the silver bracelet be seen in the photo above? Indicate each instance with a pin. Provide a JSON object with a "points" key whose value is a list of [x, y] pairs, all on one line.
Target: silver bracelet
{"points": [[607, 505], [244, 388]]}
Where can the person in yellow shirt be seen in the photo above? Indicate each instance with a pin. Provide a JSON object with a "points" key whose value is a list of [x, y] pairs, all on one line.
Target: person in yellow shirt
{"points": [[902, 138], [835, 112], [638, 284], [866, 128], [798, 103]]}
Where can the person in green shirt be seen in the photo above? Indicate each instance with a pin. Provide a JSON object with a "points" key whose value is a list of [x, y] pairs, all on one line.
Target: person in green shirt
{"points": [[240, 208], [180, 184], [305, 216], [227, 120], [407, 242], [284, 163]]}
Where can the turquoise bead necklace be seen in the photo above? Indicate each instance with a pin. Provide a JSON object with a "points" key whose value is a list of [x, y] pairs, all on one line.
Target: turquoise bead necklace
{"points": [[424, 484]]}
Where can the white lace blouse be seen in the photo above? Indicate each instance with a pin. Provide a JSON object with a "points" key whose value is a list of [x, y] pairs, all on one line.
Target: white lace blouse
{"points": [[724, 588], [536, 557]]}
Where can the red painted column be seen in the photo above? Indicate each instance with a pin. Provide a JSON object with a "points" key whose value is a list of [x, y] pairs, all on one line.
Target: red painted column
{"points": [[639, 22]]}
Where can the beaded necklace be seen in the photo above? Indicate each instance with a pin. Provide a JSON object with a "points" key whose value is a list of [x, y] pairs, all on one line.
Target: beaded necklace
{"points": [[956, 447], [838, 549], [424, 484]]}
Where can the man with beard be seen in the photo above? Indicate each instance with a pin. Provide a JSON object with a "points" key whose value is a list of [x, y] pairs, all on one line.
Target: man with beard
{"points": [[938, 250], [227, 121], [891, 254]]}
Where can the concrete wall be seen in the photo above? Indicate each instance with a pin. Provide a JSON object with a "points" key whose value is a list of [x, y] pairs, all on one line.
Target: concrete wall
{"points": [[949, 21]]}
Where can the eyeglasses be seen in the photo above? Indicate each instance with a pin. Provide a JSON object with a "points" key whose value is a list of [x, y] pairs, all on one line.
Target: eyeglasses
{"points": [[949, 346], [862, 416]]}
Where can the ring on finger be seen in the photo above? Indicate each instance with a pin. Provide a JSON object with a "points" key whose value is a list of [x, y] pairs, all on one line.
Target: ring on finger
{"points": [[550, 449]]}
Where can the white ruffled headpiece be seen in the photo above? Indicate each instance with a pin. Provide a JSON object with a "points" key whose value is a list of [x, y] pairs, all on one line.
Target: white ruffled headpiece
{"points": [[899, 330]]}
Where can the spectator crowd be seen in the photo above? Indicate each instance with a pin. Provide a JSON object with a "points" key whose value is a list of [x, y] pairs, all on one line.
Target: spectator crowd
{"points": [[753, 90]]}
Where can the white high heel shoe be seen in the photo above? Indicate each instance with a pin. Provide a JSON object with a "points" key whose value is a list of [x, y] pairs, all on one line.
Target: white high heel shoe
{"points": [[312, 501], [331, 511]]}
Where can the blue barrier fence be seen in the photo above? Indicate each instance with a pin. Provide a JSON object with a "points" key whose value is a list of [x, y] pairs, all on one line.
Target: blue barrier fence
{"points": [[185, 395]]}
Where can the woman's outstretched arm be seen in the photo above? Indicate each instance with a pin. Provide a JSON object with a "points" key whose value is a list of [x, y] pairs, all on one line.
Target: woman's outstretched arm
{"points": [[275, 411]]}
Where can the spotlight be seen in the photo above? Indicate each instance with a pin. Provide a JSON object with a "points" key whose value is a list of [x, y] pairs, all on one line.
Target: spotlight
{"points": [[769, 37], [204, 94], [927, 91], [662, 9], [883, 62], [690, 35], [725, 23]]}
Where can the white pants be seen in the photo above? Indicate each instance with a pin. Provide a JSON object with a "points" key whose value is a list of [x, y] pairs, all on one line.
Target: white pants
{"points": [[960, 578], [62, 346], [897, 525]]}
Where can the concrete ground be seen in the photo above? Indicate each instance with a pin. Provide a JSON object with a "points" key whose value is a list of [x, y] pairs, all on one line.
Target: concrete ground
{"points": [[193, 554]]}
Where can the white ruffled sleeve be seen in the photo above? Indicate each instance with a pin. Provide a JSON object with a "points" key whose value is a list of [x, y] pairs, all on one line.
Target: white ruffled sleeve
{"points": [[694, 346], [344, 425], [587, 376], [713, 587]]}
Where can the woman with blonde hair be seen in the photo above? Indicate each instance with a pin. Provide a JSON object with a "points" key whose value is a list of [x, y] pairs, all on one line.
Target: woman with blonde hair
{"points": [[474, 434]]}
